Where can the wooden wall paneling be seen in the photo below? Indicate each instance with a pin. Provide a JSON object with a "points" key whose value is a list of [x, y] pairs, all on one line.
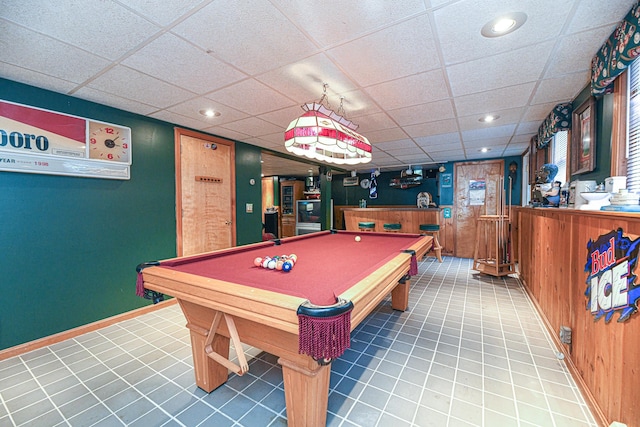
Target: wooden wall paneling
{"points": [[603, 357]]}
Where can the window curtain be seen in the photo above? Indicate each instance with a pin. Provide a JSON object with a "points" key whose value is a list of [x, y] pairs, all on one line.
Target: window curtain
{"points": [[615, 55], [559, 119]]}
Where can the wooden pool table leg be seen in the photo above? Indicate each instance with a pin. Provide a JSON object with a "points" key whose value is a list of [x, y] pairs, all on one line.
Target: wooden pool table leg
{"points": [[400, 295], [306, 393], [209, 373]]}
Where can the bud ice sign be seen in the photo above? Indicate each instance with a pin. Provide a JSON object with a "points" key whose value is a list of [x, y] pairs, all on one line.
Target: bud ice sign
{"points": [[611, 283]]}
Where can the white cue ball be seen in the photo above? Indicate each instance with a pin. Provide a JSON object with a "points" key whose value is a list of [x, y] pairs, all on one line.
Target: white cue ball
{"points": [[357, 238]]}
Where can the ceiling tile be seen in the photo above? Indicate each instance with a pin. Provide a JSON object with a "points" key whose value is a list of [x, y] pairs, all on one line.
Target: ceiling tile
{"points": [[413, 90], [251, 97], [413, 151], [433, 128], [192, 108], [253, 126], [505, 117], [322, 22], [591, 14], [574, 52], [557, 90], [492, 101], [303, 80], [498, 71], [133, 85], [374, 122], [414, 160], [109, 33], [460, 23], [206, 73], [282, 117], [170, 11], [32, 51], [115, 101], [423, 113], [479, 143], [446, 156], [178, 119], [491, 132], [228, 27], [402, 143], [442, 140], [368, 59], [35, 78], [527, 127], [539, 112], [392, 134]]}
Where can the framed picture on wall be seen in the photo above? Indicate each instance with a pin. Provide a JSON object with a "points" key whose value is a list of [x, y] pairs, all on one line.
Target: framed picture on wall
{"points": [[583, 141]]}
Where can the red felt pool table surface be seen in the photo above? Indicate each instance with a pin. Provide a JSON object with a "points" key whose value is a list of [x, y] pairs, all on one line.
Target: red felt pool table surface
{"points": [[328, 263], [225, 297]]}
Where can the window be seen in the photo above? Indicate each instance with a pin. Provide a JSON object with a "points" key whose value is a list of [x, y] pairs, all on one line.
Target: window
{"points": [[559, 155], [633, 131]]}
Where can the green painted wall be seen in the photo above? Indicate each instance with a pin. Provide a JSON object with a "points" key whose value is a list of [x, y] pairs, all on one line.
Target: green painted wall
{"points": [[70, 245], [248, 225], [394, 196]]}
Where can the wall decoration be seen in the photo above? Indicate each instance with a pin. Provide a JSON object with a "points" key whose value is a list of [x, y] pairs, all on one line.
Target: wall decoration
{"points": [[373, 185], [611, 282], [583, 144], [477, 192], [349, 181], [447, 180], [406, 179], [34, 140]]}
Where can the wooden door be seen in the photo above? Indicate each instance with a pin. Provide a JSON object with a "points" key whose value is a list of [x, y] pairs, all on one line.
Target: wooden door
{"points": [[476, 193], [205, 192]]}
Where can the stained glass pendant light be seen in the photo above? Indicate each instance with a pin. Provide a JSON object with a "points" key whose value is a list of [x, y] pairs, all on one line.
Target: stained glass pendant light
{"points": [[324, 135]]}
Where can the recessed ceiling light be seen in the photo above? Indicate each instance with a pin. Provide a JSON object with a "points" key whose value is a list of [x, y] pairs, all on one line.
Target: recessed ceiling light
{"points": [[488, 119], [504, 24], [485, 150], [209, 113]]}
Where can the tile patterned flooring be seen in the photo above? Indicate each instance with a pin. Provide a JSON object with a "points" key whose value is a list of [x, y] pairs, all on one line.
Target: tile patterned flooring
{"points": [[470, 351]]}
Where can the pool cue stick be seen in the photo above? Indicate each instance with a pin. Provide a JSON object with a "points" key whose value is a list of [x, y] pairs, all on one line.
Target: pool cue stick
{"points": [[509, 254]]}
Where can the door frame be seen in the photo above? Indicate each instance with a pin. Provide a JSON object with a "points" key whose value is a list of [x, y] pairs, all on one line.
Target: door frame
{"points": [[498, 161], [178, 133]]}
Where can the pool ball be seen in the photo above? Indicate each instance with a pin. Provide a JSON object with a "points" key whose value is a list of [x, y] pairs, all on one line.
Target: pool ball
{"points": [[357, 238], [257, 262], [272, 264], [287, 266]]}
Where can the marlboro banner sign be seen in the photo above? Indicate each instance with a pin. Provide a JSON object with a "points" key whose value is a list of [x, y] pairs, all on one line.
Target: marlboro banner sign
{"points": [[34, 140], [612, 282]]}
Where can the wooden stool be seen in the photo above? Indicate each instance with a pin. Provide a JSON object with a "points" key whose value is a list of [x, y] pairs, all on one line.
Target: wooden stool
{"points": [[367, 226], [392, 227], [434, 231]]}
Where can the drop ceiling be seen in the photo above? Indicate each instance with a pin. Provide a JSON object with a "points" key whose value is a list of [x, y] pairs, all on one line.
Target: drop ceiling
{"points": [[416, 75]]}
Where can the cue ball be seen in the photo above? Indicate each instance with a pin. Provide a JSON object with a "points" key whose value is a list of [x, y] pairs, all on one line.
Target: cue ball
{"points": [[357, 238]]}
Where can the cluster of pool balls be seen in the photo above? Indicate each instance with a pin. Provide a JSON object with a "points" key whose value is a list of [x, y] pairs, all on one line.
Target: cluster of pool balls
{"points": [[282, 263]]}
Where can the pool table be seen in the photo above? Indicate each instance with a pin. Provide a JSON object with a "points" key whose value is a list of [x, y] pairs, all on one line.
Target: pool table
{"points": [[303, 316]]}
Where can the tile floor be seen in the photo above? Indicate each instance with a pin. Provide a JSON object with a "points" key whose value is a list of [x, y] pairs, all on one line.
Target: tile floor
{"points": [[470, 351]]}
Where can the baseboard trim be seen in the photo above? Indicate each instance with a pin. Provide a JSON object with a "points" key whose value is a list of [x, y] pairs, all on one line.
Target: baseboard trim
{"points": [[72, 333]]}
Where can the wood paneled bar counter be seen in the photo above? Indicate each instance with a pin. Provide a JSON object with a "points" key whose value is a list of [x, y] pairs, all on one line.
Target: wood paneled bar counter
{"points": [[578, 281], [409, 218]]}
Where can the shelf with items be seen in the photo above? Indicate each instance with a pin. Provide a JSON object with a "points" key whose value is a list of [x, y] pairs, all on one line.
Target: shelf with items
{"points": [[291, 192]]}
